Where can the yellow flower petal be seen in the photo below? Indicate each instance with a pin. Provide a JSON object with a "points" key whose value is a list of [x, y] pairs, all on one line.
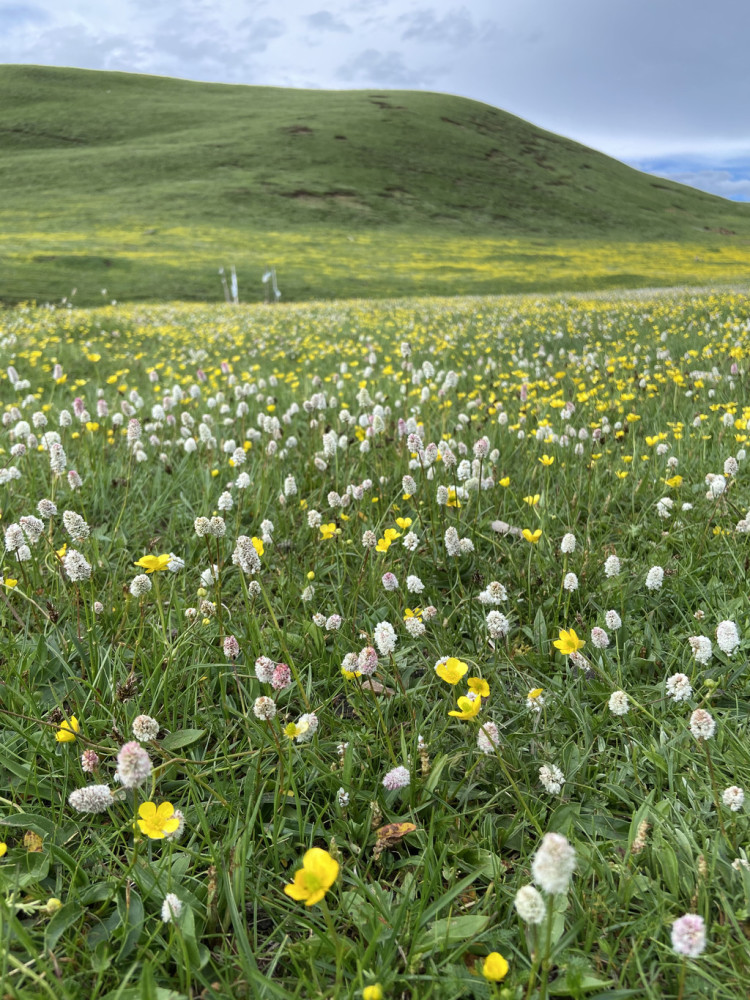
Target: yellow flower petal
{"points": [[147, 811]]}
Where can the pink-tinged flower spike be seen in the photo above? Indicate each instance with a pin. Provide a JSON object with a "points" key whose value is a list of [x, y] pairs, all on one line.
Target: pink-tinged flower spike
{"points": [[554, 863], [133, 765], [89, 761], [399, 777], [702, 724], [689, 935], [264, 668], [281, 677], [231, 648], [367, 661]]}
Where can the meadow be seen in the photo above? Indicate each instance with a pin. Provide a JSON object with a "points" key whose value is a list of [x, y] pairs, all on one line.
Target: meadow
{"points": [[376, 649]]}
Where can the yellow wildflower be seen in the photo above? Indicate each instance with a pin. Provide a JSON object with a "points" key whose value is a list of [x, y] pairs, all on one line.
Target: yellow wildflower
{"points": [[468, 708], [479, 686], [568, 642], [154, 564], [157, 821], [495, 967], [67, 730], [316, 876], [294, 729], [451, 670]]}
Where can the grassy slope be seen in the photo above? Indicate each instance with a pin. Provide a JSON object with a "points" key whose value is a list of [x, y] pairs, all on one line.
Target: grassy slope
{"points": [[146, 185]]}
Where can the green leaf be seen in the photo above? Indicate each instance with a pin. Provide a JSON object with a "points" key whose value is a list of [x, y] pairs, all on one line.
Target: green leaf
{"points": [[449, 930], [584, 983], [539, 632], [130, 908], [30, 821], [138, 993], [65, 917], [670, 869], [182, 738]]}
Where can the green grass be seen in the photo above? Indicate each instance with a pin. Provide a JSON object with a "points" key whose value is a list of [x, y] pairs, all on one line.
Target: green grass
{"points": [[661, 377], [145, 186]]}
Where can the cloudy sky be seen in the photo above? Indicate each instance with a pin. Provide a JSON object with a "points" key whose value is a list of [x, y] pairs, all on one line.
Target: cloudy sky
{"points": [[661, 84]]}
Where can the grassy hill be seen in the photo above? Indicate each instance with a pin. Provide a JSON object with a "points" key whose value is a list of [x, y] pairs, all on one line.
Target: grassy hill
{"points": [[147, 185]]}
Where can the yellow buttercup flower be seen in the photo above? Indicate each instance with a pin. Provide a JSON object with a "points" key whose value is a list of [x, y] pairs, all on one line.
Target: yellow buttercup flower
{"points": [[383, 545], [157, 821], [391, 534], [451, 670], [10, 582], [374, 992], [452, 500], [468, 708], [3, 848], [533, 500], [257, 545], [67, 730], [546, 460], [154, 564], [568, 642], [674, 481], [479, 686], [316, 876], [533, 695], [328, 530], [294, 729], [403, 522], [61, 552], [505, 481], [415, 613], [495, 967], [532, 536]]}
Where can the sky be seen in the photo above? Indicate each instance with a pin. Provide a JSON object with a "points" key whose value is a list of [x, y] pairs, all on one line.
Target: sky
{"points": [[662, 84]]}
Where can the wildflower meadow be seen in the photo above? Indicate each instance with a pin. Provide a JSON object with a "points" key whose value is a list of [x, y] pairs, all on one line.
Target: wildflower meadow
{"points": [[372, 650]]}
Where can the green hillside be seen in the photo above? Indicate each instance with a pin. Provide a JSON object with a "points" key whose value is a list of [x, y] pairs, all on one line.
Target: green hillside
{"points": [[147, 185]]}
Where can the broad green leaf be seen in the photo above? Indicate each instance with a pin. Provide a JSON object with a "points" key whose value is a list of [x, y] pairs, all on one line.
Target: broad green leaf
{"points": [[182, 738]]}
